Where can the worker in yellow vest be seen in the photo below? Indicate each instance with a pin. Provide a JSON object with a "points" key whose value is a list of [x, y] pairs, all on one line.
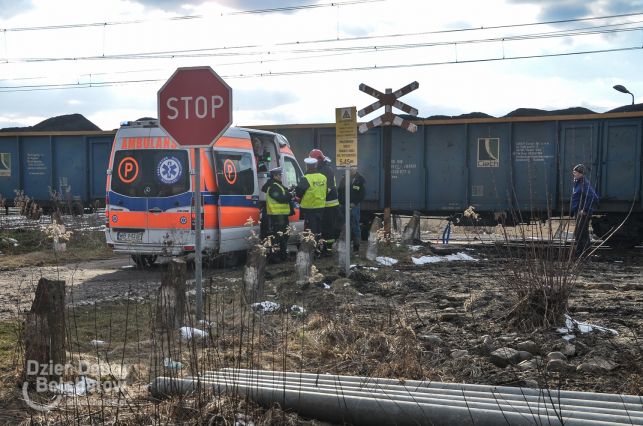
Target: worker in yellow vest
{"points": [[278, 209], [330, 216], [312, 189]]}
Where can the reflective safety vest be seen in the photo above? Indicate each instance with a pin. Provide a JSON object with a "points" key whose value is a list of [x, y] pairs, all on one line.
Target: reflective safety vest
{"points": [[273, 206], [315, 195]]}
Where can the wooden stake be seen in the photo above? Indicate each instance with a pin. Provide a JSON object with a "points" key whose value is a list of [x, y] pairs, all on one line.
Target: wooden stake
{"points": [[45, 331]]}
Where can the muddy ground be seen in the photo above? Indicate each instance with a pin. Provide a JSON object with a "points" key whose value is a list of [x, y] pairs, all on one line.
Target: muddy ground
{"points": [[440, 321]]}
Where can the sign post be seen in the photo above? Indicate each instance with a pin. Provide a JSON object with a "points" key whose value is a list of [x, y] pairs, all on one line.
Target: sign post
{"points": [[346, 149], [195, 109], [388, 100]]}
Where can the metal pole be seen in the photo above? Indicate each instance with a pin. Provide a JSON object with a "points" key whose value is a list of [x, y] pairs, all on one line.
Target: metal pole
{"points": [[347, 221], [197, 236], [387, 181]]}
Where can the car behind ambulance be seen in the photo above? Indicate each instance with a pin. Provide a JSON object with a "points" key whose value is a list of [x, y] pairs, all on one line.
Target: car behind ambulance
{"points": [[150, 190]]}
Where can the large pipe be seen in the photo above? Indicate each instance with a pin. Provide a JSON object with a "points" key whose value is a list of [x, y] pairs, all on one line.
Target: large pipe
{"points": [[418, 384], [402, 391], [367, 401]]}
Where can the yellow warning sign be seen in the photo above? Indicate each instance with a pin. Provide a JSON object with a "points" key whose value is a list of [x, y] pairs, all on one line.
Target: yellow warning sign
{"points": [[346, 136]]}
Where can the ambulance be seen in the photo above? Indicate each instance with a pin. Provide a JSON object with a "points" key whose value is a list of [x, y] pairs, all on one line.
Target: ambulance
{"points": [[150, 199]]}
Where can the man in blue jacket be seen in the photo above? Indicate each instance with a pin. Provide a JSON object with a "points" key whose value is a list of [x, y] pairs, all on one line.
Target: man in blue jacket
{"points": [[584, 199]]}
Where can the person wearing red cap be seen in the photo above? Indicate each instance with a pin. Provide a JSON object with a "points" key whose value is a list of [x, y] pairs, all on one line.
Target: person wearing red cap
{"points": [[330, 214], [312, 190]]}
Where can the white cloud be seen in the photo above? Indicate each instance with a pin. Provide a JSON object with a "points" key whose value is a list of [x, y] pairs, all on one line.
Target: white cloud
{"points": [[274, 44]]}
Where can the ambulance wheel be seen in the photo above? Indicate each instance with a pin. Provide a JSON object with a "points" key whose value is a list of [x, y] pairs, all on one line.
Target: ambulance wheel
{"points": [[144, 261]]}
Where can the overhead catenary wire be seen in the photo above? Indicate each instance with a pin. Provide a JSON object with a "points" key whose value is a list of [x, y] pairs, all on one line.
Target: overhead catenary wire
{"points": [[302, 52], [87, 85]]}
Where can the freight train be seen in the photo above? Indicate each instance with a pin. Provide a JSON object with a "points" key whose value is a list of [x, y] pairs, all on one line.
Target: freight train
{"points": [[510, 169]]}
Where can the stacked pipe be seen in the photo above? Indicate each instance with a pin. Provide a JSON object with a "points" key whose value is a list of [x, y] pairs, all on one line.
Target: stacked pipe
{"points": [[377, 401]]}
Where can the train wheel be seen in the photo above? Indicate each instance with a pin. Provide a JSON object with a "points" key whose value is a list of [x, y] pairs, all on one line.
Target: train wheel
{"points": [[143, 261]]}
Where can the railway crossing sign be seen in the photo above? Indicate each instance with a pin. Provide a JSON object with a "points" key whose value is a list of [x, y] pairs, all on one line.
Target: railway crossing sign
{"points": [[388, 100], [195, 106]]}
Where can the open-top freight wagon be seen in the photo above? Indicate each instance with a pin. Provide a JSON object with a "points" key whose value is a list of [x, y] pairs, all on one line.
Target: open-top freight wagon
{"points": [[510, 169], [514, 168], [64, 168]]}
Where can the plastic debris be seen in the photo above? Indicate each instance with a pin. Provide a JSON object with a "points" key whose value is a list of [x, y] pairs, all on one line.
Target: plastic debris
{"points": [[80, 388], [188, 333], [170, 364], [584, 327], [326, 286]]}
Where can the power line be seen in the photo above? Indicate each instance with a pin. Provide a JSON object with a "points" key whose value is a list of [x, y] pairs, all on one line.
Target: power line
{"points": [[9, 89], [239, 50], [187, 17]]}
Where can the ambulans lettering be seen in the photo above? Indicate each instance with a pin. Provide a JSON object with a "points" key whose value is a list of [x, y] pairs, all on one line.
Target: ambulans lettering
{"points": [[169, 170], [147, 143]]}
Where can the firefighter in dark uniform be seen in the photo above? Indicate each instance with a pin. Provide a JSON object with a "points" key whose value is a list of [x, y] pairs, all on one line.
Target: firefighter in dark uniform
{"points": [[312, 189], [330, 216], [278, 209]]}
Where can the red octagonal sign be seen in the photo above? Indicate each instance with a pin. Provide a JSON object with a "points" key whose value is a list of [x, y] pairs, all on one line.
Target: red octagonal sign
{"points": [[195, 106]]}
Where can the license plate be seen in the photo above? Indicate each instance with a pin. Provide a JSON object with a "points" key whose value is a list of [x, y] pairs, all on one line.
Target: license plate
{"points": [[130, 237]]}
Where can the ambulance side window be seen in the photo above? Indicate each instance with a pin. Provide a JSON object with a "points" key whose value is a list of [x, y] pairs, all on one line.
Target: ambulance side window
{"points": [[235, 174], [292, 172]]}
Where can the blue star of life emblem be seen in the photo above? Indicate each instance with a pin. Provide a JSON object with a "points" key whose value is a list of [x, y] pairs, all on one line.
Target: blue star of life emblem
{"points": [[169, 170]]}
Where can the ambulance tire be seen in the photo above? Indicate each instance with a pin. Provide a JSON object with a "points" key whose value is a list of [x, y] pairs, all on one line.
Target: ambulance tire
{"points": [[144, 261]]}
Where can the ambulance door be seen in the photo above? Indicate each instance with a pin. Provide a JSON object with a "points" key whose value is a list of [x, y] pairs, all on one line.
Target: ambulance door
{"points": [[291, 176], [127, 209], [238, 202]]}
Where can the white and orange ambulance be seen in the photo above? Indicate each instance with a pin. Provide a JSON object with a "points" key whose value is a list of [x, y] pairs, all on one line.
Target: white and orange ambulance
{"points": [[150, 190]]}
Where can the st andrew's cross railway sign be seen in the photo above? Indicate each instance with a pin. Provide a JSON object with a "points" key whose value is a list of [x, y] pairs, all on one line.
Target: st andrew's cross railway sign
{"points": [[388, 100], [195, 106]]}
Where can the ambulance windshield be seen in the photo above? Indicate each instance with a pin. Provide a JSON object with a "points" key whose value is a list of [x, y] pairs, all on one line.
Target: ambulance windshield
{"points": [[151, 173]]}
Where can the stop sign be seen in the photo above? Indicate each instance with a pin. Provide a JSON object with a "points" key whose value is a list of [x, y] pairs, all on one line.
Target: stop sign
{"points": [[195, 106]]}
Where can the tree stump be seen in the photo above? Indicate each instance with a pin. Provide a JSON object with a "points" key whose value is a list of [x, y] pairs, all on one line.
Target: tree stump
{"points": [[373, 239], [171, 300], [304, 262], [44, 336], [411, 232], [254, 273]]}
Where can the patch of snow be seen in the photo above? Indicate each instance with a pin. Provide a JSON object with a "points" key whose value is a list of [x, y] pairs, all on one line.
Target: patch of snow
{"points": [[434, 259], [386, 261], [296, 309], [414, 248], [326, 286], [98, 343], [266, 306]]}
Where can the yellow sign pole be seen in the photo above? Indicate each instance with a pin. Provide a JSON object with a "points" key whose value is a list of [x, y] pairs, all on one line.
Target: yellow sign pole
{"points": [[346, 152]]}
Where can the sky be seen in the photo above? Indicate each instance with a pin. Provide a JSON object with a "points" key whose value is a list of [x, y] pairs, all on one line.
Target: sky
{"points": [[294, 62]]}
